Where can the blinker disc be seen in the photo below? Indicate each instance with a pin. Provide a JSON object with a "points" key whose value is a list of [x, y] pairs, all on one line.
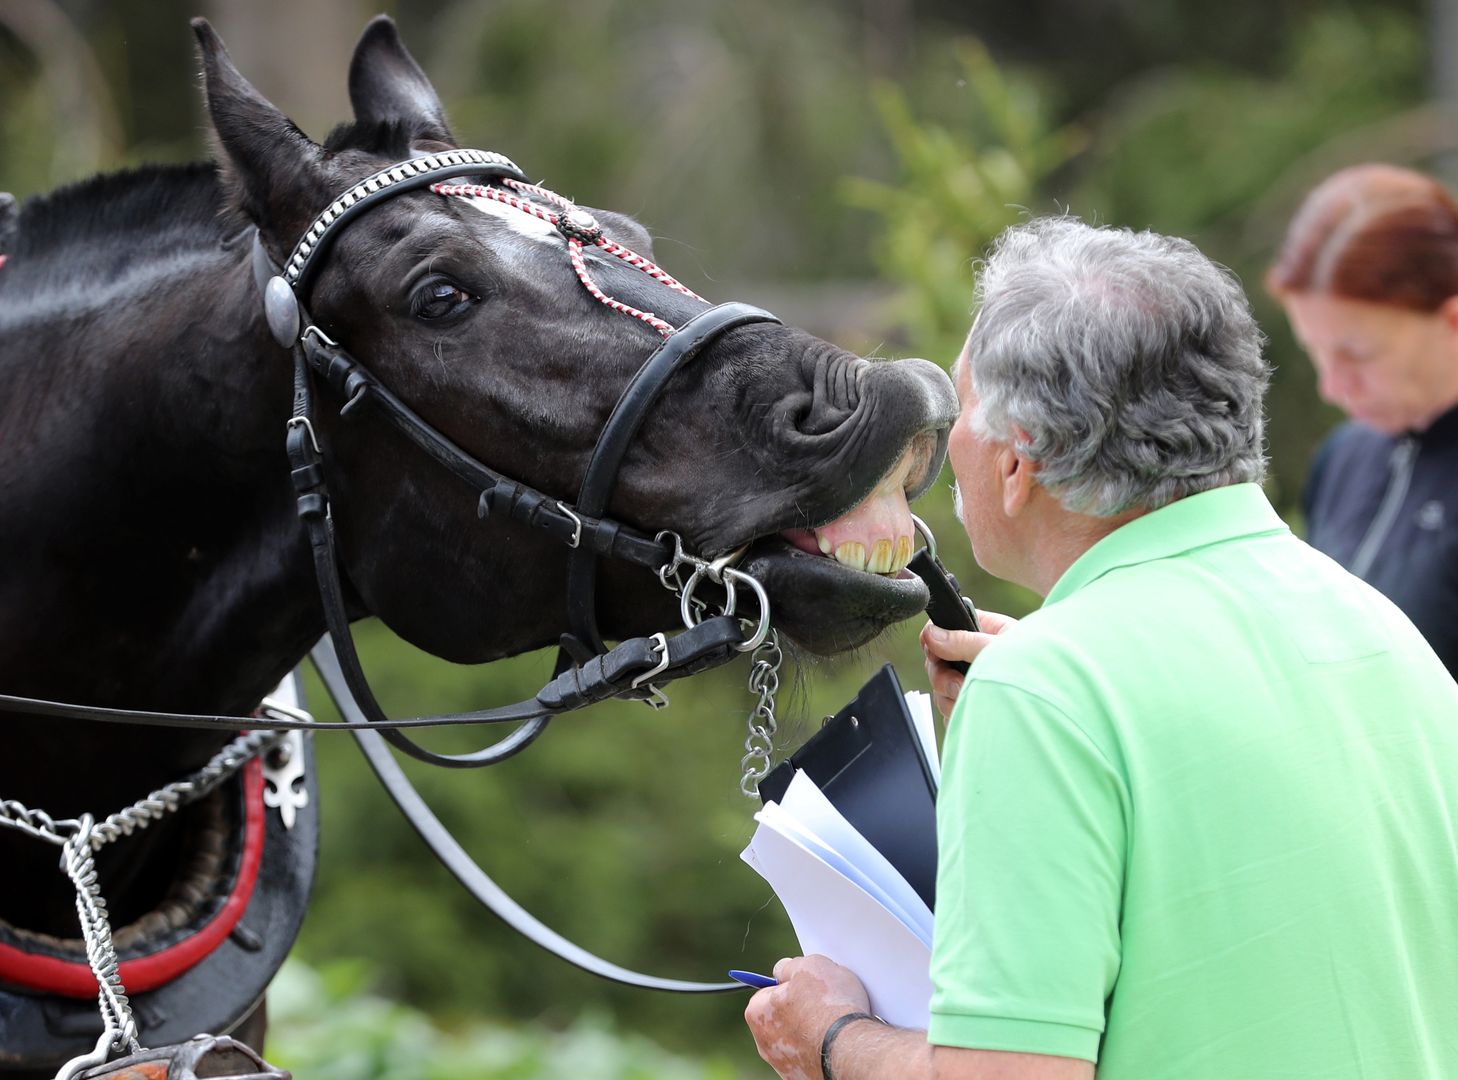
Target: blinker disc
{"points": [[282, 311]]}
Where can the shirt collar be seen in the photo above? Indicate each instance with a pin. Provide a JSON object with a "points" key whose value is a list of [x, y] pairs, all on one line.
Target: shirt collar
{"points": [[1196, 521]]}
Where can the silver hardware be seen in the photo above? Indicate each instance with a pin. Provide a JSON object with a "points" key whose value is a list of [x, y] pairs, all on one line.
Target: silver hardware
{"points": [[670, 569], [79, 839], [355, 398], [691, 610], [303, 422], [116, 1011], [77, 1065], [281, 309], [926, 535], [764, 680], [661, 642], [581, 219], [387, 177], [283, 775], [320, 334], [762, 630], [576, 521]]}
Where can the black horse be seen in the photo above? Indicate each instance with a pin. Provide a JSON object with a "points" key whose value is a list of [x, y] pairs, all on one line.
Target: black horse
{"points": [[151, 556]]}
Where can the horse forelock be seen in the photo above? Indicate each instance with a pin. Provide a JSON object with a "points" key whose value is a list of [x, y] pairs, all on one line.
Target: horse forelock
{"points": [[387, 138]]}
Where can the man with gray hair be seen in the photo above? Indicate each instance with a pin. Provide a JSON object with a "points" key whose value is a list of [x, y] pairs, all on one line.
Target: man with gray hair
{"points": [[1197, 814]]}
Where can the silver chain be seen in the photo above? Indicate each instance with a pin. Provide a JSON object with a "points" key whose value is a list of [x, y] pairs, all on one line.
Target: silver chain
{"points": [[764, 680], [764, 671], [78, 861], [79, 840]]}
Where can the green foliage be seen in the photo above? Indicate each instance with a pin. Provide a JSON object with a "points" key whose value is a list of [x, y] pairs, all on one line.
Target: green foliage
{"points": [[329, 1026], [710, 121], [962, 182], [1186, 150]]}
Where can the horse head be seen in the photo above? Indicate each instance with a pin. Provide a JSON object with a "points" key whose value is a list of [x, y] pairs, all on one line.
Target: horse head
{"points": [[470, 310], [143, 405]]}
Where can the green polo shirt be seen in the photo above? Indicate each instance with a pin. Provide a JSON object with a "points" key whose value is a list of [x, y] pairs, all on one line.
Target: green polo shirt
{"points": [[1198, 818]]}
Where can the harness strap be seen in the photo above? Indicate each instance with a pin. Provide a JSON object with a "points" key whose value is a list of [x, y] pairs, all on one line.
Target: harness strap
{"points": [[499, 494], [612, 446], [689, 652]]}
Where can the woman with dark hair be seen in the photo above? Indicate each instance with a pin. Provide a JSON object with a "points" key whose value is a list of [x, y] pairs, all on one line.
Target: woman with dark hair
{"points": [[1368, 275]]}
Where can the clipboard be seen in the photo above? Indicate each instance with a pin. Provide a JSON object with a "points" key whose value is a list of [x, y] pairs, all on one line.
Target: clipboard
{"points": [[869, 762]]}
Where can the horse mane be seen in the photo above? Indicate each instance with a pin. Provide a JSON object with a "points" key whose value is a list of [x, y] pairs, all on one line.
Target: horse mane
{"points": [[153, 208], [154, 202]]}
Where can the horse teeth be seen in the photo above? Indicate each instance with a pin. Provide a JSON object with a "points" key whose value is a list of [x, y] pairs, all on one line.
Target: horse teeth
{"points": [[903, 554], [852, 554], [880, 559], [824, 544]]}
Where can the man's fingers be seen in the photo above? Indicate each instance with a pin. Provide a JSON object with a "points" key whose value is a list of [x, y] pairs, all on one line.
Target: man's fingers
{"points": [[994, 622], [948, 645]]}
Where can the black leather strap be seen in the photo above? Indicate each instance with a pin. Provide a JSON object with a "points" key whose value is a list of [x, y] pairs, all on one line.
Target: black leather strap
{"points": [[327, 236], [612, 446], [708, 644], [948, 608]]}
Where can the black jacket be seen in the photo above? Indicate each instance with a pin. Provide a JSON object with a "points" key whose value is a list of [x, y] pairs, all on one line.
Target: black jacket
{"points": [[1386, 508]]}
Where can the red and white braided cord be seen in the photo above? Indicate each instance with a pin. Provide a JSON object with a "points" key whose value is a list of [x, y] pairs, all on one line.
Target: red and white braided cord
{"points": [[575, 246]]}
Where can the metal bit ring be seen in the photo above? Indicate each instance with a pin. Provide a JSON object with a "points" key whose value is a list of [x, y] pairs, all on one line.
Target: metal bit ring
{"points": [[762, 630]]}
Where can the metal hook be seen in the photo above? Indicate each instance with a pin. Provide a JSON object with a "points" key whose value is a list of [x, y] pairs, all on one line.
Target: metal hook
{"points": [[99, 1056], [761, 631]]}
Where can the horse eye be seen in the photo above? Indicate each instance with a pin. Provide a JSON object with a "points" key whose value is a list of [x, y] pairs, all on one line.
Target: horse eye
{"points": [[439, 299]]}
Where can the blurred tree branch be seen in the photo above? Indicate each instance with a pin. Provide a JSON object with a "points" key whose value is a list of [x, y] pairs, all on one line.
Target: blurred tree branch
{"points": [[86, 133]]}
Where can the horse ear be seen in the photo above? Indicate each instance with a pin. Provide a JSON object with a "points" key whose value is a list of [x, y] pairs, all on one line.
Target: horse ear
{"points": [[386, 84], [275, 172]]}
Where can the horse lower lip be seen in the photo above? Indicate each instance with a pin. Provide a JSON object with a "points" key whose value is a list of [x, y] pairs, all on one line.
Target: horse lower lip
{"points": [[826, 607]]}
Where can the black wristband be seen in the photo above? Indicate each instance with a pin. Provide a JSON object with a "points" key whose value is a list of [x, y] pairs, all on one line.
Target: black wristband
{"points": [[832, 1032]]}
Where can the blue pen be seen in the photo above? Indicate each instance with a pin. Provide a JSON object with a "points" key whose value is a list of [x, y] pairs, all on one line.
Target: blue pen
{"points": [[749, 978]]}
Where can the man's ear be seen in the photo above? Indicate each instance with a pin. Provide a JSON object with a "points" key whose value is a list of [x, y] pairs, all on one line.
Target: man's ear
{"points": [[275, 172], [387, 85], [1017, 474]]}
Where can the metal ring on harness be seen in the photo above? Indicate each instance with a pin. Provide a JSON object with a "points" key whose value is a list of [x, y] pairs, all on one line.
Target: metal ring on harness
{"points": [[762, 631]]}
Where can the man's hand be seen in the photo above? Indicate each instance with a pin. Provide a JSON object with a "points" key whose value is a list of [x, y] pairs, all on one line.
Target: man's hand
{"points": [[943, 646], [788, 1021]]}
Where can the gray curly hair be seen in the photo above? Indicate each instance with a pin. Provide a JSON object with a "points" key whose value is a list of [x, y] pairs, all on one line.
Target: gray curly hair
{"points": [[1126, 364]]}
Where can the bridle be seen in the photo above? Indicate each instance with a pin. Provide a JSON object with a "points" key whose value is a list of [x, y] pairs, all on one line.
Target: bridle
{"points": [[588, 670]]}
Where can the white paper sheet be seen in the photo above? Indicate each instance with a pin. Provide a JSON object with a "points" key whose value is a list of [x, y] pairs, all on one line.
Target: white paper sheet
{"points": [[834, 914], [920, 707], [854, 855]]}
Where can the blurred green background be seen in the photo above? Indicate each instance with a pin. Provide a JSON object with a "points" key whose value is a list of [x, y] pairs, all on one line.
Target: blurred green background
{"points": [[841, 163]]}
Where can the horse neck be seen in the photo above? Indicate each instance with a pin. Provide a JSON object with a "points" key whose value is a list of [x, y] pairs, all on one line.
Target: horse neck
{"points": [[153, 558]]}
